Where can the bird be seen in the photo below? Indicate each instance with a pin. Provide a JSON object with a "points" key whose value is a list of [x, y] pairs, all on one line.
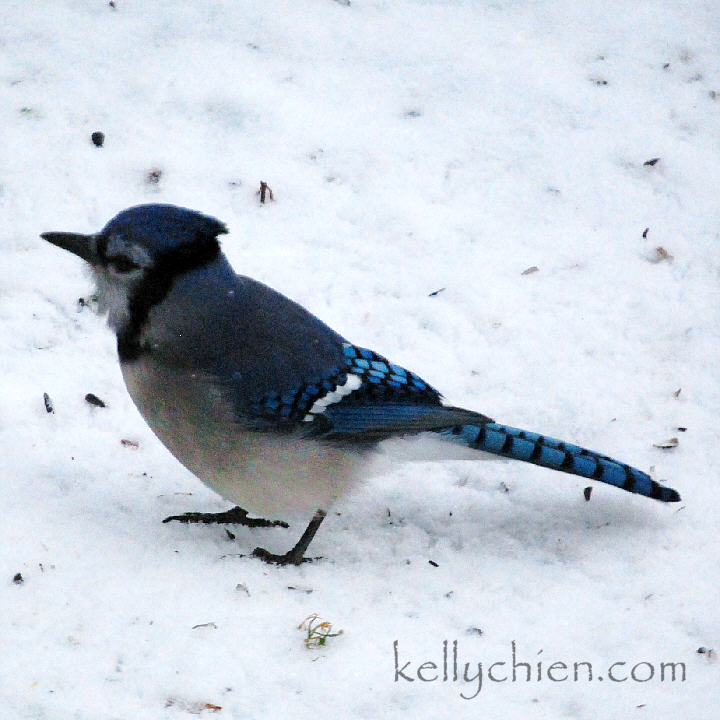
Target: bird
{"points": [[260, 399]]}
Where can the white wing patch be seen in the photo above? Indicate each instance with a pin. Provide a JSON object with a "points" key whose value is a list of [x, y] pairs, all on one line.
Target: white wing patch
{"points": [[352, 383]]}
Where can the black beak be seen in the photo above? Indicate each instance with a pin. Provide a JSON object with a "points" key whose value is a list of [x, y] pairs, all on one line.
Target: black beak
{"points": [[84, 246]]}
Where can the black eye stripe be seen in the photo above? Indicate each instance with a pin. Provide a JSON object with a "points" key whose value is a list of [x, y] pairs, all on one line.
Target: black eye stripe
{"points": [[122, 264]]}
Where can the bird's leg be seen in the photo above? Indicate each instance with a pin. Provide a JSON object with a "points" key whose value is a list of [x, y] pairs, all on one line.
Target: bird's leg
{"points": [[235, 516], [296, 555]]}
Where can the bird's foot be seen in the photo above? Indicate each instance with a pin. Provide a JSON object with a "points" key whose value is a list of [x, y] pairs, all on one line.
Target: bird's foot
{"points": [[291, 557], [296, 556], [235, 516]]}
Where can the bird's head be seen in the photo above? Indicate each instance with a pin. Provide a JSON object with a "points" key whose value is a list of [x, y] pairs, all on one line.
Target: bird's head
{"points": [[140, 250]]}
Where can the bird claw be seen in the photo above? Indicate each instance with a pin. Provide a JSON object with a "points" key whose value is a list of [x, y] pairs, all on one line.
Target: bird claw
{"points": [[296, 555], [291, 557], [234, 516]]}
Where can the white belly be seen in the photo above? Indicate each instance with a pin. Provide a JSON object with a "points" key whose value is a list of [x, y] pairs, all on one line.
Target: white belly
{"points": [[265, 473]]}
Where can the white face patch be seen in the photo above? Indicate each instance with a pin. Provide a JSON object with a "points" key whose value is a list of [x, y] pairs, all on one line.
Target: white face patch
{"points": [[352, 383], [113, 292], [112, 298]]}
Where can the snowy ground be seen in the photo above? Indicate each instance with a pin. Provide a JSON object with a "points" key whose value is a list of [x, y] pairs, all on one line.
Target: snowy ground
{"points": [[411, 146]]}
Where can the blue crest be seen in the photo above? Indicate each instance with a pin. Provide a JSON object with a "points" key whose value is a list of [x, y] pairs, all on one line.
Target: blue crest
{"points": [[163, 227]]}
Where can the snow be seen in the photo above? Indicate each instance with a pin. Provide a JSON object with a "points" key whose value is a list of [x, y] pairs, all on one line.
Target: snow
{"points": [[411, 146]]}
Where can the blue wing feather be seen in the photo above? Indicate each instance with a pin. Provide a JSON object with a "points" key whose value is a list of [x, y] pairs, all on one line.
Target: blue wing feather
{"points": [[384, 381], [389, 400]]}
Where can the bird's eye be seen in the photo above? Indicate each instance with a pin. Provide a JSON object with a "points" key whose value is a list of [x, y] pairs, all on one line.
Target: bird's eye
{"points": [[122, 264]]}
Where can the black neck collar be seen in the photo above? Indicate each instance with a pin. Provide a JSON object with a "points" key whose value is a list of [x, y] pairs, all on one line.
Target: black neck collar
{"points": [[155, 286]]}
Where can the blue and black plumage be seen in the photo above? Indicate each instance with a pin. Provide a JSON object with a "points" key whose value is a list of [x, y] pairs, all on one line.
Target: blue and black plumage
{"points": [[392, 400], [258, 397]]}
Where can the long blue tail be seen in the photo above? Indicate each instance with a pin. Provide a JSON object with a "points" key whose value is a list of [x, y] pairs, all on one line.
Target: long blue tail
{"points": [[557, 455]]}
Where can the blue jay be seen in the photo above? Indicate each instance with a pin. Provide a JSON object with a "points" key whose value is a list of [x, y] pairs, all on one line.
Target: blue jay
{"points": [[260, 399]]}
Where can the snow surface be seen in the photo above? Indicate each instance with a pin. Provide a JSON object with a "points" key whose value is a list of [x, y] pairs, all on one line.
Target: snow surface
{"points": [[411, 146]]}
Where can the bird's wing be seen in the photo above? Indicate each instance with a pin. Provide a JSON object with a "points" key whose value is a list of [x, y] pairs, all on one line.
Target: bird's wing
{"points": [[367, 399]]}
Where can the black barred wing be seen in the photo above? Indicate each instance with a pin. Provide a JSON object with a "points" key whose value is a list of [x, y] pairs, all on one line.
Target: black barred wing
{"points": [[367, 399], [382, 381]]}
